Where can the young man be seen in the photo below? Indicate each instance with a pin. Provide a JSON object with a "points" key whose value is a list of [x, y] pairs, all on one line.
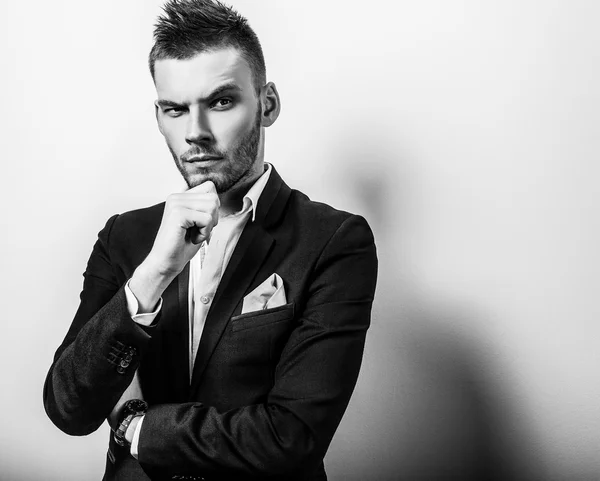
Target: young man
{"points": [[221, 332]]}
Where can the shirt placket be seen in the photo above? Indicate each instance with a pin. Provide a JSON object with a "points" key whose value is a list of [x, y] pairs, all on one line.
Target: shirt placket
{"points": [[206, 287]]}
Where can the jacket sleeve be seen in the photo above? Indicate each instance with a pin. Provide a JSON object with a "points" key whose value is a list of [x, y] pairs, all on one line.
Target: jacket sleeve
{"points": [[314, 380], [100, 353]]}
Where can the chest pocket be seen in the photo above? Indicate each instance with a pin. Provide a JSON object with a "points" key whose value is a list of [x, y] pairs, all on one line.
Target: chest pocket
{"points": [[243, 366], [263, 318], [255, 340]]}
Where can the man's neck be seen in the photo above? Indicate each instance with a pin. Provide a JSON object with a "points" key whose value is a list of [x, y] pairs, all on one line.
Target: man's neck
{"points": [[233, 200]]}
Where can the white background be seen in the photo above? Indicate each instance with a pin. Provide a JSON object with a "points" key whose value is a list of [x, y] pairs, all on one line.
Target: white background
{"points": [[466, 132]]}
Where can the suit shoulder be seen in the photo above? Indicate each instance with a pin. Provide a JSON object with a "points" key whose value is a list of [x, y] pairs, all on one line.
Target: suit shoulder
{"points": [[323, 217], [143, 213], [304, 205], [146, 217], [133, 227]]}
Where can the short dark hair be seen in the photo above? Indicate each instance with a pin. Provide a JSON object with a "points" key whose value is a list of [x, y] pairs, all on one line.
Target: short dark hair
{"points": [[189, 27]]}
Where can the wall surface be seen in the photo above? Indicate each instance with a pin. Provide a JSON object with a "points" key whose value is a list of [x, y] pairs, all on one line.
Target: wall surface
{"points": [[466, 132]]}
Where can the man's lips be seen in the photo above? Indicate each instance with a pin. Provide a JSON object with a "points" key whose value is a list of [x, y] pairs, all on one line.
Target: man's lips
{"points": [[203, 158]]}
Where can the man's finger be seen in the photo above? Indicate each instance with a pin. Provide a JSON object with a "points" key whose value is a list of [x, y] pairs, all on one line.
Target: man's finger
{"points": [[197, 224], [199, 235], [204, 188], [196, 202]]}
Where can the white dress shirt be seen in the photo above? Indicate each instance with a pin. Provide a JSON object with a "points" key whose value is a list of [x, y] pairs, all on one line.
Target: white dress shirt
{"points": [[206, 269]]}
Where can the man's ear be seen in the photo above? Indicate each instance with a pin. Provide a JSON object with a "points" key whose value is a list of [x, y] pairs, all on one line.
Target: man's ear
{"points": [[156, 112], [270, 103]]}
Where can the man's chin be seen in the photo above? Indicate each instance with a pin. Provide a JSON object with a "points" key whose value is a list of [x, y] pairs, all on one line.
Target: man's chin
{"points": [[224, 178], [195, 180]]}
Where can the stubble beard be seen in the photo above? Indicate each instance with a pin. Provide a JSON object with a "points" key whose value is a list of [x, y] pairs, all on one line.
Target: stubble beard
{"points": [[236, 166]]}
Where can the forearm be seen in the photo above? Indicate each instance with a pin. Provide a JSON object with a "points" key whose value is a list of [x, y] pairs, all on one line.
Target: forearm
{"points": [[91, 373], [254, 441], [148, 284]]}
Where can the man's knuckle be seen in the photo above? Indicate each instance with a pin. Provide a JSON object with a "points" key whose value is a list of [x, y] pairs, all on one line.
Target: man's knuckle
{"points": [[178, 212]]}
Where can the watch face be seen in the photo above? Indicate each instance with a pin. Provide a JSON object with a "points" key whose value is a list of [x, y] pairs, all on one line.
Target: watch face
{"points": [[135, 406]]}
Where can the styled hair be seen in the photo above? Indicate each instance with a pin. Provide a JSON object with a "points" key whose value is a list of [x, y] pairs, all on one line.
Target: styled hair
{"points": [[189, 27]]}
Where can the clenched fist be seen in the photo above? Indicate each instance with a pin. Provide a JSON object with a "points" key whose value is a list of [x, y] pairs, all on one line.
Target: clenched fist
{"points": [[187, 221]]}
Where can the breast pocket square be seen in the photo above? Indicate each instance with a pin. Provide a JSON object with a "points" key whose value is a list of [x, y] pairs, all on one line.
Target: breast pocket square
{"points": [[268, 295]]}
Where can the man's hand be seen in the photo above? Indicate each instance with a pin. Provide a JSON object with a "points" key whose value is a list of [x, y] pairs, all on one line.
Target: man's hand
{"points": [[187, 221]]}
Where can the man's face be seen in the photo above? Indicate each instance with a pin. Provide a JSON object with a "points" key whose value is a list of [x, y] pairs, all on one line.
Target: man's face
{"points": [[210, 116]]}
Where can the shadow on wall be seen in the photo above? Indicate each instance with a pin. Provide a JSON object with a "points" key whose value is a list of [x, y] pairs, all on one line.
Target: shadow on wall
{"points": [[429, 404]]}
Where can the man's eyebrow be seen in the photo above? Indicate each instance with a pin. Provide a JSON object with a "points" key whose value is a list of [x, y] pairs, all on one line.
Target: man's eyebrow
{"points": [[168, 103], [221, 90]]}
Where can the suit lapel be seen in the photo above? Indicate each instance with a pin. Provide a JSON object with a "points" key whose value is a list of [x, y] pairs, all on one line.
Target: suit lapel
{"points": [[252, 249]]}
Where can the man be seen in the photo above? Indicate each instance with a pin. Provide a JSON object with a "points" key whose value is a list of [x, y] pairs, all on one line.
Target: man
{"points": [[220, 332]]}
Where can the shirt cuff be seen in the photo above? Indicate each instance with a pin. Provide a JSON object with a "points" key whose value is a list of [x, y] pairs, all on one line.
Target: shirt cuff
{"points": [[136, 438], [144, 319]]}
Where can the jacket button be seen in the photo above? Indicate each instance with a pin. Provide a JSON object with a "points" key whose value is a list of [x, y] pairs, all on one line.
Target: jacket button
{"points": [[204, 300], [120, 370], [124, 363]]}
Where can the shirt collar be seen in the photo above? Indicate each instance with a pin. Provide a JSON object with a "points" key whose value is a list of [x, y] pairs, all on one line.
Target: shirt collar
{"points": [[251, 198]]}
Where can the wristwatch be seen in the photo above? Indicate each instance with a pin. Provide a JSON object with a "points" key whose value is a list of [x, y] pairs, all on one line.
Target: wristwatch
{"points": [[131, 409]]}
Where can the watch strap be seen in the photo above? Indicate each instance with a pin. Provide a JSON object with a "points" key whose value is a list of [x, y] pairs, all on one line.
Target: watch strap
{"points": [[132, 409], [122, 429]]}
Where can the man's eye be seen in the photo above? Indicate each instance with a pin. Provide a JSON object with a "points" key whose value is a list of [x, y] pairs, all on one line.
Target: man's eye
{"points": [[174, 111], [222, 104]]}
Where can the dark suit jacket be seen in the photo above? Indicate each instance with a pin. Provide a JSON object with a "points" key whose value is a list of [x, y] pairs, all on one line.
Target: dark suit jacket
{"points": [[268, 388]]}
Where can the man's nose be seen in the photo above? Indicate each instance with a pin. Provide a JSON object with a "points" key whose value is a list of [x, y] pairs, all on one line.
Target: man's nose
{"points": [[198, 128]]}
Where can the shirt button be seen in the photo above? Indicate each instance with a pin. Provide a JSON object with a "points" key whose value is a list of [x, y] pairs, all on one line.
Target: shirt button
{"points": [[204, 300]]}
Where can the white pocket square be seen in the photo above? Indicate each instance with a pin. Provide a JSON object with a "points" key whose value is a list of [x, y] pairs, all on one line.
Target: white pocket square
{"points": [[269, 294]]}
